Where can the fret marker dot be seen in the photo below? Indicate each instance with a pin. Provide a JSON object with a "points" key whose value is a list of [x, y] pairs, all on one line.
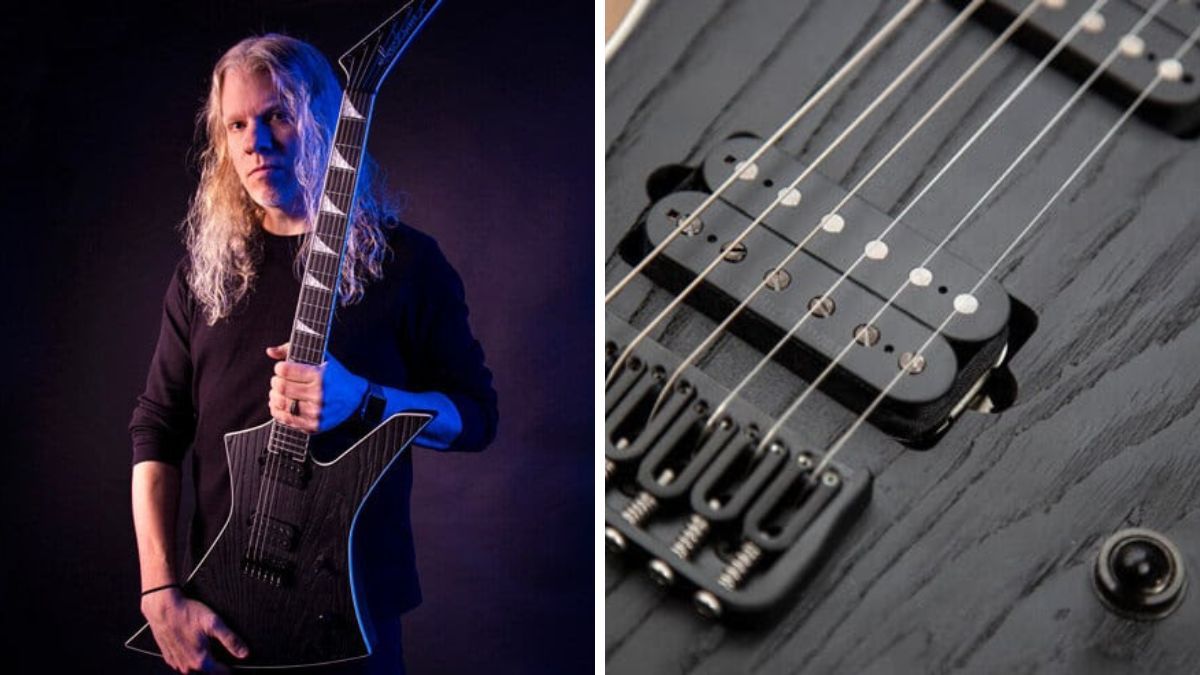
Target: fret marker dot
{"points": [[789, 196], [1170, 70], [1092, 21], [833, 223], [920, 276], [1132, 46], [1054, 4], [965, 304], [747, 170], [876, 250]]}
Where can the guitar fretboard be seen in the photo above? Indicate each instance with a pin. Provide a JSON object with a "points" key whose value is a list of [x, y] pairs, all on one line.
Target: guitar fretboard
{"points": [[322, 270]]}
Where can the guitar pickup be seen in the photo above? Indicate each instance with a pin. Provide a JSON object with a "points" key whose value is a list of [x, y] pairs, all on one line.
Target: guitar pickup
{"points": [[1173, 105], [273, 532], [283, 469], [841, 324]]}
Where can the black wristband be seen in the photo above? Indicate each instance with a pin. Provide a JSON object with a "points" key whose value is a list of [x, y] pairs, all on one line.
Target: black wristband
{"points": [[158, 588], [374, 402]]}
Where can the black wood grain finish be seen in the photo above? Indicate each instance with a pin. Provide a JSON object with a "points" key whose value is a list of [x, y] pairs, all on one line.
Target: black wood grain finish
{"points": [[974, 555], [312, 615]]}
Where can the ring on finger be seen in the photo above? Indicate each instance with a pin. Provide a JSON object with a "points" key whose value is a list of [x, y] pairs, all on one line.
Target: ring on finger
{"points": [[295, 407]]}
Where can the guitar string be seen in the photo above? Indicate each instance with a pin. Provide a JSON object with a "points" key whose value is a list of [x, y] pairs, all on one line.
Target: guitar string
{"points": [[1075, 96], [273, 462], [274, 465], [1158, 78], [909, 69], [1000, 40], [1067, 38], [865, 51]]}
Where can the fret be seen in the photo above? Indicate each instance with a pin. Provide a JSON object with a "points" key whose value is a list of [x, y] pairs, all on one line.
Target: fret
{"points": [[328, 245], [349, 143], [293, 435], [298, 450], [314, 284], [308, 357], [350, 153], [332, 241], [314, 297], [330, 205], [318, 299], [307, 341], [322, 272], [338, 163], [317, 294], [319, 246], [285, 443], [350, 109], [315, 315], [309, 326]]}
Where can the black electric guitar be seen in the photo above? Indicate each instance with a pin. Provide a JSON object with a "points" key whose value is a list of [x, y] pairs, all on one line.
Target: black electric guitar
{"points": [[280, 573], [902, 359]]}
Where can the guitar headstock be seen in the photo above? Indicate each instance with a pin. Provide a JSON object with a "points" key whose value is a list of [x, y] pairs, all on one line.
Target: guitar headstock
{"points": [[367, 63]]}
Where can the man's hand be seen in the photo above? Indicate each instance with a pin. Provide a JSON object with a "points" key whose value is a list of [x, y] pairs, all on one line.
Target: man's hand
{"points": [[313, 398], [182, 629]]}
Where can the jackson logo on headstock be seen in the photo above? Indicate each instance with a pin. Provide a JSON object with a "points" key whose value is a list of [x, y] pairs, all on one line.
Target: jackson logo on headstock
{"points": [[401, 32]]}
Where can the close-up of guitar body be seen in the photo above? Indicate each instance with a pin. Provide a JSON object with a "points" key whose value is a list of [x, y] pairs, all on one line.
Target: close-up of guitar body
{"points": [[1024, 495]]}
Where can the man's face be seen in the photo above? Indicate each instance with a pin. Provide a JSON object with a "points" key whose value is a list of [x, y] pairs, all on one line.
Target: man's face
{"points": [[261, 139]]}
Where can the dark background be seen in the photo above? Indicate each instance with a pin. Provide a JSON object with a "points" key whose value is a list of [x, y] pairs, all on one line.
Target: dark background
{"points": [[486, 124]]}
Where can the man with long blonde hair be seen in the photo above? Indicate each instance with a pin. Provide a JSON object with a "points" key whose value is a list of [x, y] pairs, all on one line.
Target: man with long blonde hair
{"points": [[399, 333]]}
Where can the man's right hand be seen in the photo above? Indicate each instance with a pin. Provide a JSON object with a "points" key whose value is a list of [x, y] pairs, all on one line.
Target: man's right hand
{"points": [[182, 628]]}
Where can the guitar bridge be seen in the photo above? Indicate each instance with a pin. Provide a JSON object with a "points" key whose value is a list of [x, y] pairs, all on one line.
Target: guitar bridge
{"points": [[268, 569], [738, 524]]}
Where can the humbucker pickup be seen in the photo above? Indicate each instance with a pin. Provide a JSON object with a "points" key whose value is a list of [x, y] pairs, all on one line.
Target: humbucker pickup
{"points": [[273, 532], [281, 468], [869, 351], [1173, 106]]}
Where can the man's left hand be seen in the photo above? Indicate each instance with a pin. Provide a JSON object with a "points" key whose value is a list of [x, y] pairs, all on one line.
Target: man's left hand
{"points": [[326, 395]]}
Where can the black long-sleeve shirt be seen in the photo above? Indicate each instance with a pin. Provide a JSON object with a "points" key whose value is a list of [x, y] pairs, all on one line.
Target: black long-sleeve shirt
{"points": [[409, 331]]}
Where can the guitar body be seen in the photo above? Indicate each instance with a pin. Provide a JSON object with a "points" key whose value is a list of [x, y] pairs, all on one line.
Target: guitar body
{"points": [[302, 606], [976, 550]]}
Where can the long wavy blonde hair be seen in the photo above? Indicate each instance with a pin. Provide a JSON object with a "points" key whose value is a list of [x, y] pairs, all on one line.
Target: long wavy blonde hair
{"points": [[223, 224]]}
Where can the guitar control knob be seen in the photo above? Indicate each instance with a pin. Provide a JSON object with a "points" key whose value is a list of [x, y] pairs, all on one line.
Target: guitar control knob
{"points": [[1139, 574]]}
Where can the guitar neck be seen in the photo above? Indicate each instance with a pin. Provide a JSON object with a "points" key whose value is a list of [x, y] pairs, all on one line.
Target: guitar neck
{"points": [[365, 65], [322, 270], [323, 267]]}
